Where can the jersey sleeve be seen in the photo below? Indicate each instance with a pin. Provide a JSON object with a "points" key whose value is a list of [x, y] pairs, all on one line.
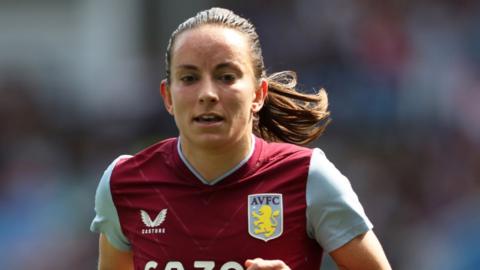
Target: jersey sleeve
{"points": [[106, 220], [334, 213]]}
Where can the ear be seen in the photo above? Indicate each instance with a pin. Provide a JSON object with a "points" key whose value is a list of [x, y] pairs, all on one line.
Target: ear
{"points": [[260, 96], [167, 96]]}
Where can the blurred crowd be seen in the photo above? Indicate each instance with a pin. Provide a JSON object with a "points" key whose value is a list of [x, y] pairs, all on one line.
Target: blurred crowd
{"points": [[79, 86]]}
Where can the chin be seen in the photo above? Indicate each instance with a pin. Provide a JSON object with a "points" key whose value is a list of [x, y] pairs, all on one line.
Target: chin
{"points": [[214, 140]]}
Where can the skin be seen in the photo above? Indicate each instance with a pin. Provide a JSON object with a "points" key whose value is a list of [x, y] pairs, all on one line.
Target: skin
{"points": [[362, 253], [111, 258], [212, 73]]}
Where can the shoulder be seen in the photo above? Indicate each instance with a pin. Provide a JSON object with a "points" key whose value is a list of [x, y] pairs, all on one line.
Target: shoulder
{"points": [[325, 179], [133, 167], [162, 150], [283, 158], [279, 150]]}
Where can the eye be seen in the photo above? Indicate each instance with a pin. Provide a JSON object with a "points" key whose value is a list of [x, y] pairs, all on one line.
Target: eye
{"points": [[228, 78], [188, 79]]}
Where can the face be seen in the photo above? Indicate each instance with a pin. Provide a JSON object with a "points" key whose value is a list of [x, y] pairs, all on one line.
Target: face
{"points": [[213, 92]]}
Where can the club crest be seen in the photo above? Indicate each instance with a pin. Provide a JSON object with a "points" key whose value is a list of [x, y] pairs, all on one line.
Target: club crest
{"points": [[265, 216]]}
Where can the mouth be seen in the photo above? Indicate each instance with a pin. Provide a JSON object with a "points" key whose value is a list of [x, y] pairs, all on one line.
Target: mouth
{"points": [[208, 118]]}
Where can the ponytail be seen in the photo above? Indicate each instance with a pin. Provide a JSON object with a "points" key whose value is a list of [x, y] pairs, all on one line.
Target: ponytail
{"points": [[291, 116]]}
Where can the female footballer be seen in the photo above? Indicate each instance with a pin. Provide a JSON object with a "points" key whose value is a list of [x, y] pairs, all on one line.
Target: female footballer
{"points": [[235, 190]]}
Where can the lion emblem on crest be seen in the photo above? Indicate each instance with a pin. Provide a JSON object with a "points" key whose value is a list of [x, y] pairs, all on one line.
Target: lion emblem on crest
{"points": [[266, 222]]}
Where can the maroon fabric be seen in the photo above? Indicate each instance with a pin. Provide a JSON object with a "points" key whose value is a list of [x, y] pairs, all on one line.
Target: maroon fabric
{"points": [[210, 223]]}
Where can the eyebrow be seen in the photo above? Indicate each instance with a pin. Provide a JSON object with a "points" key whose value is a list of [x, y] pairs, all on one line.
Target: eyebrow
{"points": [[187, 67], [228, 64]]}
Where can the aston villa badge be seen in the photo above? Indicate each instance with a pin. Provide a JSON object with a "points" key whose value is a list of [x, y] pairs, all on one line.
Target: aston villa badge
{"points": [[265, 215]]}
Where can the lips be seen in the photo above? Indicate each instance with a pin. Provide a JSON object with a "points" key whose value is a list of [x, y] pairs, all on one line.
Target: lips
{"points": [[208, 118]]}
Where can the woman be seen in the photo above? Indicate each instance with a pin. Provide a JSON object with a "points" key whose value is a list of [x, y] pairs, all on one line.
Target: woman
{"points": [[218, 197]]}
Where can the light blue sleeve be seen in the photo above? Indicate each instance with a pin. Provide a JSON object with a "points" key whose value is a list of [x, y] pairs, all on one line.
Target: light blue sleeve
{"points": [[334, 213], [106, 219]]}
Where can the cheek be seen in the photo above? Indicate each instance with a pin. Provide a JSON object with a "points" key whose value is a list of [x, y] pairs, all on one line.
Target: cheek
{"points": [[240, 103], [181, 99]]}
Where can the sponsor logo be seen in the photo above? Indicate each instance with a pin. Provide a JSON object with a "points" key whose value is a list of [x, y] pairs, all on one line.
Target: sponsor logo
{"points": [[265, 216], [153, 224], [205, 265]]}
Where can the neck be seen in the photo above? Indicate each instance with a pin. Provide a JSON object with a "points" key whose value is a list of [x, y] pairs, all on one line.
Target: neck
{"points": [[210, 162]]}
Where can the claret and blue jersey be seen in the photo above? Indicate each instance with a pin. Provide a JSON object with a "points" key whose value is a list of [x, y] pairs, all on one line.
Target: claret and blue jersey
{"points": [[282, 202]]}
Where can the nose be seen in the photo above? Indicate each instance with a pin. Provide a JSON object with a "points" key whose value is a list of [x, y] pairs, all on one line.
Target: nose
{"points": [[208, 93]]}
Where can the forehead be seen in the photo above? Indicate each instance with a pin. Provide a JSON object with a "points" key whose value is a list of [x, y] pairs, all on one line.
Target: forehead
{"points": [[210, 44]]}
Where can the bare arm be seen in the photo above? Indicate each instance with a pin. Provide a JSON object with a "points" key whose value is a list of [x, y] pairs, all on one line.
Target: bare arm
{"points": [[362, 252], [111, 258]]}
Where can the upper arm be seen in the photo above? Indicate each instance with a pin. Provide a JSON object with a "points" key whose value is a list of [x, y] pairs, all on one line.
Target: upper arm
{"points": [[362, 252], [106, 220], [111, 258], [334, 213], [114, 247], [337, 219]]}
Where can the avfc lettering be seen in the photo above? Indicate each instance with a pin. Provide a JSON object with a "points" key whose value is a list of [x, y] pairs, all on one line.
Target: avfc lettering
{"points": [[267, 200]]}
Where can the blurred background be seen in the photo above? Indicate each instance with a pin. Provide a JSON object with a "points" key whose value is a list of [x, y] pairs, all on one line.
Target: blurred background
{"points": [[79, 86]]}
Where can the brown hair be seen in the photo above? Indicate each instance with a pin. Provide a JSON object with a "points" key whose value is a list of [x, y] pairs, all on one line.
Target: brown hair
{"points": [[287, 115]]}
